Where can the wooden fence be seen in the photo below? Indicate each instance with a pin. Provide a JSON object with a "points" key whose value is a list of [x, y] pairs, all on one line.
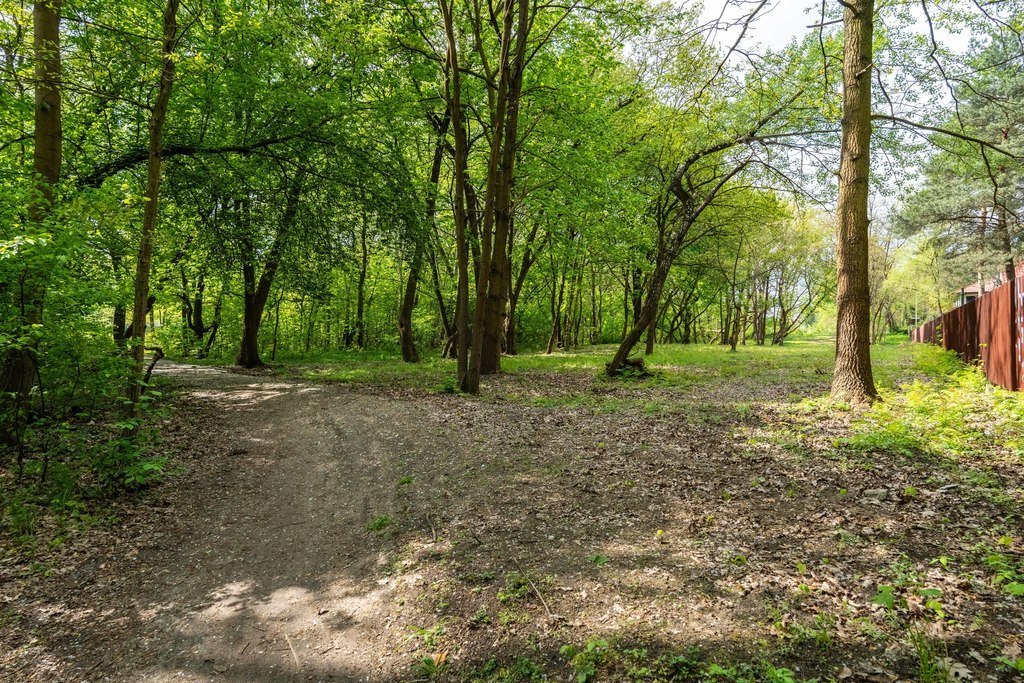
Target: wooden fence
{"points": [[990, 328]]}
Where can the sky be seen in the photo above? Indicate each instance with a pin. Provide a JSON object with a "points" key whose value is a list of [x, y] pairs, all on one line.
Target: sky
{"points": [[783, 20], [775, 27]]}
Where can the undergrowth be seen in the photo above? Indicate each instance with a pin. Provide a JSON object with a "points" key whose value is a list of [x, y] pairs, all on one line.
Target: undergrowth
{"points": [[951, 412], [60, 477]]}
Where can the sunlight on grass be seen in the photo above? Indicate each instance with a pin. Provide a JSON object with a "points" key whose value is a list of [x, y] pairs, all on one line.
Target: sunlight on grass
{"points": [[949, 411], [799, 369]]}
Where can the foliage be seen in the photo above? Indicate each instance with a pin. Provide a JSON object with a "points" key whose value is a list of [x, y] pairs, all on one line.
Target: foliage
{"points": [[953, 413]]}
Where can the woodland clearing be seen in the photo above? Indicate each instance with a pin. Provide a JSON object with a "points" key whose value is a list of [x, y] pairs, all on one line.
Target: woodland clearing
{"points": [[707, 523]]}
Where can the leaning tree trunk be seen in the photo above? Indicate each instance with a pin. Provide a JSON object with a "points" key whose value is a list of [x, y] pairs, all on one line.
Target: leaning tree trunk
{"points": [[652, 330], [149, 215], [19, 369], [853, 381], [648, 311]]}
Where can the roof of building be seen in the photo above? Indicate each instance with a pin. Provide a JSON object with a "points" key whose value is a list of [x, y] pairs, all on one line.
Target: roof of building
{"points": [[993, 282]]}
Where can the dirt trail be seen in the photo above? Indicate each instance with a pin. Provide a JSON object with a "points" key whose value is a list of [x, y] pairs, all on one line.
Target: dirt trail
{"points": [[270, 574], [515, 530]]}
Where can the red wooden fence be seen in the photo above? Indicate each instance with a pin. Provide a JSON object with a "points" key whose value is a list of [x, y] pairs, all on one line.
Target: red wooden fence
{"points": [[990, 328]]}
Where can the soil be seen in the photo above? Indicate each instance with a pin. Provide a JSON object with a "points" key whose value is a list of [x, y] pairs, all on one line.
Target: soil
{"points": [[326, 533]]}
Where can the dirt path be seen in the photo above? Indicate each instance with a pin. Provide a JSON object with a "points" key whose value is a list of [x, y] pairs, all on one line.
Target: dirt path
{"points": [[502, 532], [266, 571]]}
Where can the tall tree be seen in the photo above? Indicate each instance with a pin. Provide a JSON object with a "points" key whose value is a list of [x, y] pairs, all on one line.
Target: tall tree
{"points": [[853, 380], [144, 263], [20, 367]]}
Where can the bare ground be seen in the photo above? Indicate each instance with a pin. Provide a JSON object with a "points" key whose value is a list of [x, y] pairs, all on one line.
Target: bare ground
{"points": [[326, 533]]}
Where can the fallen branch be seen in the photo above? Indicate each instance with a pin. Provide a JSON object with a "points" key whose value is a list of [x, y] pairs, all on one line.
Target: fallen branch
{"points": [[535, 589], [292, 648]]}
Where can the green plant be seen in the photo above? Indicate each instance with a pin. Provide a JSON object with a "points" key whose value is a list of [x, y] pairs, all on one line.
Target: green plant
{"points": [[931, 600], [1015, 665], [885, 597], [930, 655], [819, 633], [379, 524], [585, 661], [429, 667], [1008, 573], [480, 617], [516, 588], [429, 636]]}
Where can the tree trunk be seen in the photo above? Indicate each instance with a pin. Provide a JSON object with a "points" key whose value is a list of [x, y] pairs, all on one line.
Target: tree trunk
{"points": [[557, 293], [257, 293], [405, 336], [249, 350], [853, 381], [277, 329], [515, 288], [19, 369], [364, 263], [1006, 248], [511, 337], [734, 337], [647, 313], [652, 330], [498, 208], [149, 216], [636, 292], [453, 89], [205, 351]]}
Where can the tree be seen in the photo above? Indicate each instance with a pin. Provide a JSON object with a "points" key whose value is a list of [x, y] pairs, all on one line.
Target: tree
{"points": [[19, 370], [853, 380], [150, 211]]}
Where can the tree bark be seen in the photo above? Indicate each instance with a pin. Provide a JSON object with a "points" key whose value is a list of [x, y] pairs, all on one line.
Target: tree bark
{"points": [[405, 336], [453, 89], [516, 288], [1005, 246], [257, 293], [150, 211], [652, 328], [491, 288], [364, 264], [853, 381], [19, 369]]}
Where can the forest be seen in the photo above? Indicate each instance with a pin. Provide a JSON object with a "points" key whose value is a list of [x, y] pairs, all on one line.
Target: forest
{"points": [[507, 340]]}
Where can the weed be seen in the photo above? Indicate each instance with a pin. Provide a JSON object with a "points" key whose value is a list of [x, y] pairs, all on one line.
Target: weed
{"points": [[930, 655], [585, 661], [479, 618], [379, 524], [516, 588], [430, 636]]}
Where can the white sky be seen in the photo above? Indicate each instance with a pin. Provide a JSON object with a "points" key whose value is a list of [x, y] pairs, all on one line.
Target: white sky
{"points": [[783, 20]]}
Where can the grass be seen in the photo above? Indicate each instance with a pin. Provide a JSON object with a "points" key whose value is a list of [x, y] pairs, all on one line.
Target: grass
{"points": [[949, 414], [791, 367]]}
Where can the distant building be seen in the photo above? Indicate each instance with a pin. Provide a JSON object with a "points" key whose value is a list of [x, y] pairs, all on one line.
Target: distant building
{"points": [[969, 293]]}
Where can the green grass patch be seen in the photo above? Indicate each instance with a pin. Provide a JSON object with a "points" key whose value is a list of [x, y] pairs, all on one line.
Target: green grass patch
{"points": [[950, 412]]}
